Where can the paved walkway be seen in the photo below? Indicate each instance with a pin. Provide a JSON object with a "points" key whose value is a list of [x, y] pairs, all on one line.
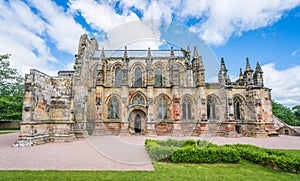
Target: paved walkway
{"points": [[106, 152]]}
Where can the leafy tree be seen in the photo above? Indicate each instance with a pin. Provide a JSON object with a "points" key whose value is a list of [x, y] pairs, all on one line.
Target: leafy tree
{"points": [[285, 114], [296, 110], [11, 91]]}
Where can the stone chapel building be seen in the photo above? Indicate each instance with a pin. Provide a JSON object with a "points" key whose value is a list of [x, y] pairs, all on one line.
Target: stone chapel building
{"points": [[147, 92]]}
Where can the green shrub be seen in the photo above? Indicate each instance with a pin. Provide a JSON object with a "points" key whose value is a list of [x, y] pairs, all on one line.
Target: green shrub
{"points": [[191, 151], [159, 153]]}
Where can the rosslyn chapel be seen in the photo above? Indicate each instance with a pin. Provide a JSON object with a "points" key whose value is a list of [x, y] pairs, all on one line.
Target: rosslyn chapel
{"points": [[143, 92]]}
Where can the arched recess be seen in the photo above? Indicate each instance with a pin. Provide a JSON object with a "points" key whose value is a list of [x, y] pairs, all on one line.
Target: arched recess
{"points": [[137, 120], [138, 75], [238, 107], [188, 107], [213, 104], [116, 74], [97, 74], [138, 98], [113, 104], [162, 107]]}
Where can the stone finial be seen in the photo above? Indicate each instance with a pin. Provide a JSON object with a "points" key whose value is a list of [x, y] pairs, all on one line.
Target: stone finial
{"points": [[125, 52], [172, 53], [223, 66], [248, 67], [258, 68], [241, 72], [102, 56], [188, 49], [149, 53], [195, 53]]}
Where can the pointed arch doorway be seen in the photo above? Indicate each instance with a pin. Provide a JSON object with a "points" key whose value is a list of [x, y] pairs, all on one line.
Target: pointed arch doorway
{"points": [[137, 122]]}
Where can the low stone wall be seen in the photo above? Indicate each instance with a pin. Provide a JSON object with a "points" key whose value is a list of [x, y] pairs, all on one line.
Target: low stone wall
{"points": [[9, 124]]}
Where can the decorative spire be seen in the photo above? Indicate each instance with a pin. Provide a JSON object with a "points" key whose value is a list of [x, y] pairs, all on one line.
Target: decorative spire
{"points": [[149, 53], [102, 56], [172, 53], [241, 72], [188, 49], [195, 53], [223, 66], [125, 52], [258, 68], [248, 67]]}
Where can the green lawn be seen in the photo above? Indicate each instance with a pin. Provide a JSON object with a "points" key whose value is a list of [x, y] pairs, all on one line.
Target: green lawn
{"points": [[1, 129], [163, 171], [5, 132]]}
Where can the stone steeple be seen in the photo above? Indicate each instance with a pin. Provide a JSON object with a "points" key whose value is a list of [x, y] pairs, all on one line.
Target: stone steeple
{"points": [[149, 53], [248, 74], [102, 56], [223, 77], [198, 69], [258, 76], [172, 55], [248, 67]]}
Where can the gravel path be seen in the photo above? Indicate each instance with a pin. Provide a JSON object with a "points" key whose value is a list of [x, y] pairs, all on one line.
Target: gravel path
{"points": [[106, 152], [81, 154]]}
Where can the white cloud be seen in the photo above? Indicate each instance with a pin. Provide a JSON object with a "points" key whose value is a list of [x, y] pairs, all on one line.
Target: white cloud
{"points": [[225, 18], [61, 27], [26, 34], [285, 84], [119, 30], [20, 34], [101, 16], [294, 53], [134, 35]]}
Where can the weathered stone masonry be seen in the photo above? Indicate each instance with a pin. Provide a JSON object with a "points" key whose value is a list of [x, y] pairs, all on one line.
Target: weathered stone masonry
{"points": [[148, 92]]}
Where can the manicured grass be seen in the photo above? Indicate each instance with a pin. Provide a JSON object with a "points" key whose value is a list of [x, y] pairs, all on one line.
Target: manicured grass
{"points": [[5, 132], [163, 171], [1, 129]]}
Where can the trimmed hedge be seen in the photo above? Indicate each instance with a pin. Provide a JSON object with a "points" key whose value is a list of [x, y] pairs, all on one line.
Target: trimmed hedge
{"points": [[270, 158], [194, 154], [191, 151]]}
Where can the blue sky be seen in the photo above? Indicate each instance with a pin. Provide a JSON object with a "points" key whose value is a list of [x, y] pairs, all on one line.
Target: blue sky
{"points": [[44, 34]]}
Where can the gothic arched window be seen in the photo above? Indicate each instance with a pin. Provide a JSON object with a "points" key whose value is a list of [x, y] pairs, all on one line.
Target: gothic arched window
{"points": [[237, 111], [211, 109], [162, 108], [138, 99], [237, 103], [158, 77], [186, 109], [118, 77], [138, 77], [114, 108]]}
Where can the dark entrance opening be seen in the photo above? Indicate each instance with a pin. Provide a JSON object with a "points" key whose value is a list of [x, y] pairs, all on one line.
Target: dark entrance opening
{"points": [[238, 129], [137, 124]]}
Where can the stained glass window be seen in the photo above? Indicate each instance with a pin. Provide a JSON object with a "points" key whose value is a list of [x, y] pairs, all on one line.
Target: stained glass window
{"points": [[118, 77], [162, 108], [186, 109], [237, 109], [138, 77], [211, 109], [138, 99], [158, 77], [114, 109]]}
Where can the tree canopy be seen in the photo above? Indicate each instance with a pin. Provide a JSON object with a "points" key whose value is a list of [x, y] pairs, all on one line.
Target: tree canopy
{"points": [[11, 91], [286, 114]]}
